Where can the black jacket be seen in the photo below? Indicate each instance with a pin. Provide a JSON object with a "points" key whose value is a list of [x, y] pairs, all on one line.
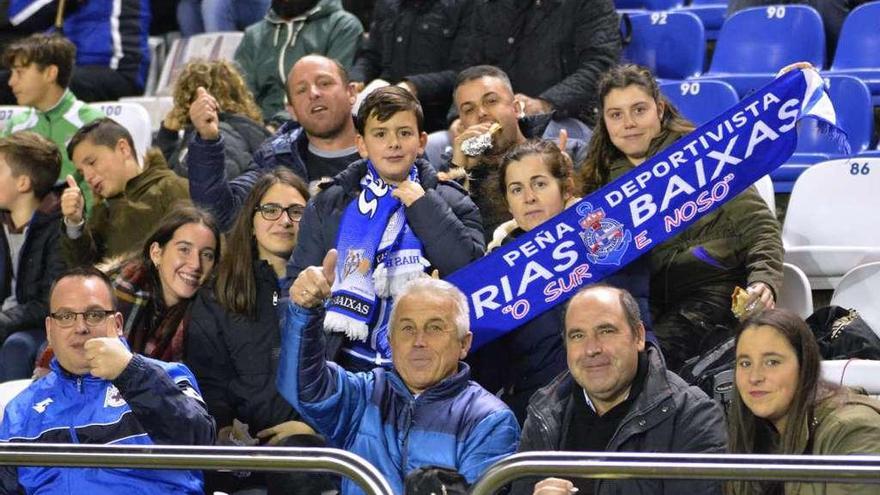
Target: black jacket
{"points": [[39, 263], [235, 358], [667, 416], [417, 40], [551, 49]]}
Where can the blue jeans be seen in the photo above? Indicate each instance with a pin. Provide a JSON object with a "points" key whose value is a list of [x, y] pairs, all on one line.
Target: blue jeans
{"points": [[209, 16], [18, 353]]}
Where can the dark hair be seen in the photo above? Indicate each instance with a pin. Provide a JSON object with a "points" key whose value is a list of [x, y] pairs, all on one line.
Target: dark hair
{"points": [[628, 304], [183, 213], [236, 285], [102, 132], [558, 163], [43, 50], [383, 103], [344, 77], [87, 271], [479, 72], [35, 156], [602, 152]]}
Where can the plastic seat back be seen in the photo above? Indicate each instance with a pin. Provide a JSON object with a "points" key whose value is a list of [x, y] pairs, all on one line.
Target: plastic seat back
{"points": [[672, 44], [860, 289], [859, 43], [133, 117], [852, 104], [700, 101]]}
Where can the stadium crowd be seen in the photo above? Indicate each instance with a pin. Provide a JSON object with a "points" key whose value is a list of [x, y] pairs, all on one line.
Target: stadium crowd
{"points": [[274, 270]]}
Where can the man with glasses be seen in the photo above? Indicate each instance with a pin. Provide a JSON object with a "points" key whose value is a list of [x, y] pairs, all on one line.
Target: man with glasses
{"points": [[98, 392], [423, 412]]}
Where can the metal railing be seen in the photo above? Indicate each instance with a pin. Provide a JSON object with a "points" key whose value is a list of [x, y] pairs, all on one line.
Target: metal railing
{"points": [[601, 465], [279, 459]]}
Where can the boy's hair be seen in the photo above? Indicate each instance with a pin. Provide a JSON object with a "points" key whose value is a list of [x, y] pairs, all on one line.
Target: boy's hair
{"points": [[43, 50], [383, 103], [102, 132], [35, 156]]}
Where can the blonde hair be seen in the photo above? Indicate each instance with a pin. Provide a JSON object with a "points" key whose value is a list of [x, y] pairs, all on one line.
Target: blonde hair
{"points": [[222, 80]]}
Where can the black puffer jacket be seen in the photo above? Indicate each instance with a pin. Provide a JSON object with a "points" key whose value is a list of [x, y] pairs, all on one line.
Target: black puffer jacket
{"points": [[235, 358], [40, 262], [417, 40], [241, 138], [551, 49]]}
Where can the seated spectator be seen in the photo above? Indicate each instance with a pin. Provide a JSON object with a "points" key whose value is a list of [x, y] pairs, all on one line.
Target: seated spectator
{"points": [[134, 197], [319, 146], [155, 287], [617, 396], [695, 273], [535, 180], [423, 412], [419, 45], [234, 335], [553, 52], [41, 66], [782, 406], [209, 16], [239, 120], [484, 96], [29, 254], [291, 30], [390, 194], [100, 393], [111, 39]]}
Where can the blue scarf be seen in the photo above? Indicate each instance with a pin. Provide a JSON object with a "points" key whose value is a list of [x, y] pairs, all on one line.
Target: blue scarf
{"points": [[648, 205], [378, 254]]}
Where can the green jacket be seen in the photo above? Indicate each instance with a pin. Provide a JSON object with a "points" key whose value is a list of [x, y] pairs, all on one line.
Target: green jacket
{"points": [[119, 225], [844, 424], [271, 47], [59, 124], [738, 244]]}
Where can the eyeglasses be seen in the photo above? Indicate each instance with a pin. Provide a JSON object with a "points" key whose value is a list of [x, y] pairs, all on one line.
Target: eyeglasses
{"points": [[92, 317], [272, 211], [430, 331]]}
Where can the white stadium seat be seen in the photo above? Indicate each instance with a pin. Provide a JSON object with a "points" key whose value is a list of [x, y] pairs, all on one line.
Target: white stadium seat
{"points": [[8, 391], [156, 106], [859, 289], [861, 373], [133, 117], [832, 224], [796, 295], [765, 189], [208, 46], [7, 112]]}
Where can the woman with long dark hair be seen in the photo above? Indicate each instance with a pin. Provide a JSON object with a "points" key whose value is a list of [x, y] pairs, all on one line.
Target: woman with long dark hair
{"points": [[694, 274], [782, 406]]}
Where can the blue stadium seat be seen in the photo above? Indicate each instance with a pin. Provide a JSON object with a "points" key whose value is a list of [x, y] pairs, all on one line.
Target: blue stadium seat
{"points": [[852, 104], [672, 44], [711, 12], [700, 101], [647, 4], [858, 48], [755, 43]]}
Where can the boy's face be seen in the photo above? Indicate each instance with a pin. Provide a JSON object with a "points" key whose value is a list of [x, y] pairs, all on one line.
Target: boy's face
{"points": [[103, 167], [392, 145], [30, 84], [10, 187]]}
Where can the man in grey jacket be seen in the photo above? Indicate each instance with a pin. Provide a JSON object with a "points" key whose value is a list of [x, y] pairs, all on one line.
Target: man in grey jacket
{"points": [[618, 396]]}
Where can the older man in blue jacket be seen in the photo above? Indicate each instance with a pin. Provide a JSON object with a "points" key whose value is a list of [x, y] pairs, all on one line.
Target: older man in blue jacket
{"points": [[424, 412]]}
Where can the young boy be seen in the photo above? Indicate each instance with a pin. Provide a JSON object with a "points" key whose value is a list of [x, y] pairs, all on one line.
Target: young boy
{"points": [[134, 198], [390, 219], [41, 66], [29, 255]]}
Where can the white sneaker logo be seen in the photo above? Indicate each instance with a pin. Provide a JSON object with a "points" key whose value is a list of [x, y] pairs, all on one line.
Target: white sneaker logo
{"points": [[40, 407]]}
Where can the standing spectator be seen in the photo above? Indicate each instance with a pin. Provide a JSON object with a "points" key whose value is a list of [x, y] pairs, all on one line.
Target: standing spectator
{"points": [[239, 120], [694, 274], [112, 53], [42, 65], [291, 30], [135, 198], [29, 253], [209, 16], [98, 392], [414, 43]]}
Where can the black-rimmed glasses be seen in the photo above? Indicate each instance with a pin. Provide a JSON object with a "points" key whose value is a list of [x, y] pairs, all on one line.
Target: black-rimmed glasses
{"points": [[272, 211], [92, 317]]}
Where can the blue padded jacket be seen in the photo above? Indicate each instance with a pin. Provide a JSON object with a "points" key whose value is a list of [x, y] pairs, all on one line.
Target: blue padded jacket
{"points": [[455, 424], [151, 402]]}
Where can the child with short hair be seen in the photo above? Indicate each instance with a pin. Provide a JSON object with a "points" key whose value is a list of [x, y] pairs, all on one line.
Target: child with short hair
{"points": [[29, 255], [134, 197], [390, 219]]}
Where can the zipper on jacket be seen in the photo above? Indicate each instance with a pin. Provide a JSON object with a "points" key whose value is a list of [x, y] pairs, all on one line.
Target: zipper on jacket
{"points": [[274, 298], [542, 426]]}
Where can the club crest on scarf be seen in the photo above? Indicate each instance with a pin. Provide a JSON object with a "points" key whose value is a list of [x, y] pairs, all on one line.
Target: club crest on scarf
{"points": [[651, 203]]}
